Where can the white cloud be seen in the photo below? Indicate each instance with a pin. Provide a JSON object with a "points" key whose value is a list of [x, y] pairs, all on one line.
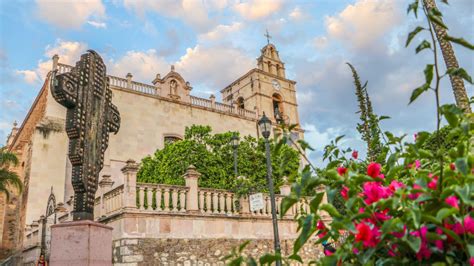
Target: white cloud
{"points": [[220, 32], [30, 76], [142, 65], [97, 24], [257, 9], [214, 67], [70, 14], [361, 25], [320, 42], [297, 14], [194, 13]]}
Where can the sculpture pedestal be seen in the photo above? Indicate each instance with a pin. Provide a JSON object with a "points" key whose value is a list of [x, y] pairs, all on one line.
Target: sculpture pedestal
{"points": [[84, 243]]}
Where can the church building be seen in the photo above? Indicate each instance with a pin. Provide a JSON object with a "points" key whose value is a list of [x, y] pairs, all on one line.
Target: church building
{"points": [[151, 115]]}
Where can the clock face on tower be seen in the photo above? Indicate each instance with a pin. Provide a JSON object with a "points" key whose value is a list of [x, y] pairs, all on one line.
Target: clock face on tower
{"points": [[276, 84]]}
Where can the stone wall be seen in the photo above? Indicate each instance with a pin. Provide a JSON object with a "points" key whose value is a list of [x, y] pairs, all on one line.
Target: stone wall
{"points": [[152, 251]]}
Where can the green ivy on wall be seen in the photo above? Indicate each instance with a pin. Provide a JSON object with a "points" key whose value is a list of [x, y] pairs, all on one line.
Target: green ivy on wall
{"points": [[212, 155]]}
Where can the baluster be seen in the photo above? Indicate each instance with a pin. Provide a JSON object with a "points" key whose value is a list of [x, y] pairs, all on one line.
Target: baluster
{"points": [[222, 202], [182, 200], [228, 201], [174, 198], [141, 197], [208, 202], [149, 196], [201, 200], [215, 202], [166, 197], [158, 198], [278, 203]]}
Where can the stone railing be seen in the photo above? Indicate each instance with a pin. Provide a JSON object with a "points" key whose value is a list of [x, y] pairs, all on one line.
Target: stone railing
{"points": [[33, 238], [187, 199], [127, 83], [161, 198]]}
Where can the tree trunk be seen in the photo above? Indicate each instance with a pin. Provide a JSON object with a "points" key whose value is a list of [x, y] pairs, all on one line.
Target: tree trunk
{"points": [[450, 60]]}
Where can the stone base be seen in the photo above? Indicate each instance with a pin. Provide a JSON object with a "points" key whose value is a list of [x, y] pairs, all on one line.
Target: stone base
{"points": [[84, 243]]}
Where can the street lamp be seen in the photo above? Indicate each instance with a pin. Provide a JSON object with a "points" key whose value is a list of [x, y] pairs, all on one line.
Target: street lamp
{"points": [[235, 144], [265, 126]]}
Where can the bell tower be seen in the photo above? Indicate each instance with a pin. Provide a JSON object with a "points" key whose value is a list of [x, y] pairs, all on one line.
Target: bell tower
{"points": [[265, 89]]}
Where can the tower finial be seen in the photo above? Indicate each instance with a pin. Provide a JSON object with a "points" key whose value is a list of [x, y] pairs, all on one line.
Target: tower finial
{"points": [[268, 36]]}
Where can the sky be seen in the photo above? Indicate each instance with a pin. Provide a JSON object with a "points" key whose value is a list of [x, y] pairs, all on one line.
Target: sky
{"points": [[213, 42]]}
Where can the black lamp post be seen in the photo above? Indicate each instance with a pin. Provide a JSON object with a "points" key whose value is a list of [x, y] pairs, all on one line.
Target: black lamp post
{"points": [[265, 126], [235, 144]]}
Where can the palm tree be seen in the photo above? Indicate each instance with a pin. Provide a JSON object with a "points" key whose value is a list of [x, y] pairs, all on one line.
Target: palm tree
{"points": [[460, 94], [7, 177]]}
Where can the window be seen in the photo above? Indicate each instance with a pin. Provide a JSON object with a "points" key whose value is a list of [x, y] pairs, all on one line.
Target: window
{"points": [[240, 103], [277, 106], [170, 139]]}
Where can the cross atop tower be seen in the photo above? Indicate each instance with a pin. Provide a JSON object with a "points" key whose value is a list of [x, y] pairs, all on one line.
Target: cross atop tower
{"points": [[268, 36]]}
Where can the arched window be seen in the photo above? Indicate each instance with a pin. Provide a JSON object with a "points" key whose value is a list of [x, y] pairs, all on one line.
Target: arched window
{"points": [[171, 138], [277, 106], [240, 103], [51, 204]]}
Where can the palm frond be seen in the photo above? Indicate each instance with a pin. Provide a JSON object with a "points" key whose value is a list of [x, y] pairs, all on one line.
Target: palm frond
{"points": [[7, 158], [10, 178]]}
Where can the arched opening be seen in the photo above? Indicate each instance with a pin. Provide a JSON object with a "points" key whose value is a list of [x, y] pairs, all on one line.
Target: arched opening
{"points": [[277, 106], [240, 102], [171, 139]]}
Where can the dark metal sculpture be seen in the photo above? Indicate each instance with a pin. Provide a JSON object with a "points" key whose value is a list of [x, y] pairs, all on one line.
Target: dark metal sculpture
{"points": [[90, 118]]}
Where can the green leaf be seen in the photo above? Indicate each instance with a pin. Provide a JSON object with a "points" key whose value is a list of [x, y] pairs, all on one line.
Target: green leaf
{"points": [[460, 72], [268, 259], [423, 45], [429, 218], [412, 35], [461, 165], [435, 17], [460, 41], [452, 234], [286, 204], [383, 117], [243, 245], [339, 138], [416, 216], [331, 210], [429, 73], [296, 257], [308, 228], [413, 6], [314, 204], [444, 213], [414, 243], [418, 91]]}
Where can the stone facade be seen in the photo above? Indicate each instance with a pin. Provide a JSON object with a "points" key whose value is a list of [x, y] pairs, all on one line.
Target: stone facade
{"points": [[149, 113], [152, 251]]}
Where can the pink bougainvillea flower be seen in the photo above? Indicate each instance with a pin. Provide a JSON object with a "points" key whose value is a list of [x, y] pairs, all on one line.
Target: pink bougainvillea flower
{"points": [[395, 185], [369, 237], [344, 192], [453, 201], [439, 243], [341, 170], [458, 228], [452, 166], [471, 261], [392, 250], [433, 183], [322, 228], [355, 155], [355, 250], [417, 164], [373, 169], [414, 196], [469, 224], [424, 251], [374, 191], [415, 136], [328, 252], [401, 233], [382, 216]]}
